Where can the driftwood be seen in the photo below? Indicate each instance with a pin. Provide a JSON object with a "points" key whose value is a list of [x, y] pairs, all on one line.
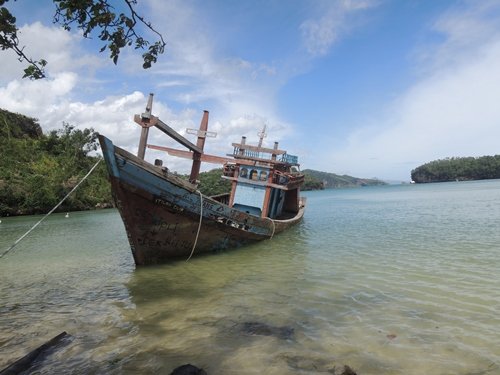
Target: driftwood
{"points": [[27, 361]]}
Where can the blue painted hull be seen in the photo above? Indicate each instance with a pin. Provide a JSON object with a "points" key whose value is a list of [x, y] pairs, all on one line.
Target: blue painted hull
{"points": [[162, 212]]}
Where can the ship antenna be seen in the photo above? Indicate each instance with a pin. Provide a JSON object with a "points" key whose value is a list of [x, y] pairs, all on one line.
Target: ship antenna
{"points": [[262, 135]]}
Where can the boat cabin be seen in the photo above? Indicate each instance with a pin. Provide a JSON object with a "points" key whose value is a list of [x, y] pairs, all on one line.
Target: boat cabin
{"points": [[265, 182]]}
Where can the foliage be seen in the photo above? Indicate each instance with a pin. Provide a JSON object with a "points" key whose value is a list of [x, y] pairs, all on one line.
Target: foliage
{"points": [[211, 183], [115, 29], [461, 169], [18, 126], [312, 183], [37, 170], [332, 180]]}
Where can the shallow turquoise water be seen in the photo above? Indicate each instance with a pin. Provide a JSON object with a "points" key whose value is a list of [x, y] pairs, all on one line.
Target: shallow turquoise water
{"points": [[389, 280]]}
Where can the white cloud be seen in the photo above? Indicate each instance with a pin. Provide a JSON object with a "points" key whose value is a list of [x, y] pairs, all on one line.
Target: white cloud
{"points": [[57, 46], [319, 33], [34, 97], [452, 111], [236, 89]]}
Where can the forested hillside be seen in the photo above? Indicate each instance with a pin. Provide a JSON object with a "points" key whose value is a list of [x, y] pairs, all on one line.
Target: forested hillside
{"points": [[211, 183], [461, 169], [332, 180], [38, 170]]}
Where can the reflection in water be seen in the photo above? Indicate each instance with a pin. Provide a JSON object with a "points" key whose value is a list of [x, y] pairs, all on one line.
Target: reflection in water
{"points": [[194, 312]]}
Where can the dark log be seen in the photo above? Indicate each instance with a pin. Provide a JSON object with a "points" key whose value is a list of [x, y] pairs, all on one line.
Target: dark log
{"points": [[27, 361]]}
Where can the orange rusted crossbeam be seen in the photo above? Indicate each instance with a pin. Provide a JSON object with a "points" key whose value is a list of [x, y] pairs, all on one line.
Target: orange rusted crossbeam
{"points": [[189, 155]]}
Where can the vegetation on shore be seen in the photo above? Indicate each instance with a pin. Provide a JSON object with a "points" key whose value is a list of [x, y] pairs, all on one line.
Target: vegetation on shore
{"points": [[458, 169], [37, 170], [316, 179]]}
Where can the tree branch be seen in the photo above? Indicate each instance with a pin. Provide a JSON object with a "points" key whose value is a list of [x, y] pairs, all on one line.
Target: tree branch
{"points": [[115, 30]]}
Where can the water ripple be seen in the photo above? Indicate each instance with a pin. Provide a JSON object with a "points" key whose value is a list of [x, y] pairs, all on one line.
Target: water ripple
{"points": [[390, 280]]}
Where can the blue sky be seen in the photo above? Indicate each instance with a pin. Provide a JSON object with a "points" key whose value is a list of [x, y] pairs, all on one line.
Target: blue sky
{"points": [[369, 88]]}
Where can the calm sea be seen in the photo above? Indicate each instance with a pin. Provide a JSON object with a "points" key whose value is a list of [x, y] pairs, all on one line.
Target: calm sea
{"points": [[388, 280]]}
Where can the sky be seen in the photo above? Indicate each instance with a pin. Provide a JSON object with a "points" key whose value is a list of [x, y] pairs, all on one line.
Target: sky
{"points": [[368, 88]]}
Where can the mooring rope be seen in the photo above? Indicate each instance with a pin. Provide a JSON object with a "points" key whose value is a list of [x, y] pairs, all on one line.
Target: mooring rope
{"points": [[199, 226], [274, 227], [57, 205]]}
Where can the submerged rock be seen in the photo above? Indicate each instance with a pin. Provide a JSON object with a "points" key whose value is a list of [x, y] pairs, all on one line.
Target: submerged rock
{"points": [[346, 371], [314, 364], [188, 370], [263, 329]]}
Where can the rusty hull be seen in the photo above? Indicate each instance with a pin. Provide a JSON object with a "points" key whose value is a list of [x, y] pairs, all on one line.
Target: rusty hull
{"points": [[161, 213]]}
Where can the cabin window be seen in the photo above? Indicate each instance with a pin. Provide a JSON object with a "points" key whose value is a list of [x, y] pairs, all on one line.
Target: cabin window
{"points": [[244, 173], [253, 175], [263, 176]]}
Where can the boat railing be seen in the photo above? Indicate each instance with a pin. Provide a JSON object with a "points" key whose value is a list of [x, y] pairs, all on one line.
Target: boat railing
{"points": [[290, 159], [246, 153], [278, 177]]}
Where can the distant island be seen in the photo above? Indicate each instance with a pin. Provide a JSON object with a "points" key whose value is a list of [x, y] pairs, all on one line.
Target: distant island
{"points": [[458, 169], [37, 170], [315, 180]]}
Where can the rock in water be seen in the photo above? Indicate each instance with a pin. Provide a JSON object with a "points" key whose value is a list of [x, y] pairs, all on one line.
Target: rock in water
{"points": [[188, 370], [262, 329], [347, 371]]}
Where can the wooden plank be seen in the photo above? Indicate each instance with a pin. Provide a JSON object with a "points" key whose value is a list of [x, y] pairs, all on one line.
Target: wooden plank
{"points": [[142, 143], [200, 143], [189, 155], [177, 137], [152, 169], [257, 183]]}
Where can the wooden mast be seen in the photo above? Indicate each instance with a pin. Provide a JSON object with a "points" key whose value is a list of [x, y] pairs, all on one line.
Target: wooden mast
{"points": [[200, 143], [146, 120]]}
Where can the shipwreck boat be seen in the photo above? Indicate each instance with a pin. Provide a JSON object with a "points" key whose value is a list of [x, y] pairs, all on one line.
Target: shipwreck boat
{"points": [[166, 217]]}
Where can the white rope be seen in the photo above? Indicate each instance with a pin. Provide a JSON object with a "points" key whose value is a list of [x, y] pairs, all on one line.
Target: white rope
{"points": [[274, 226], [199, 226], [57, 205]]}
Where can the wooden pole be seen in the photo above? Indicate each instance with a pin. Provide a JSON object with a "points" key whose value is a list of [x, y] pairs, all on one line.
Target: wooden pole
{"points": [[195, 169], [146, 116]]}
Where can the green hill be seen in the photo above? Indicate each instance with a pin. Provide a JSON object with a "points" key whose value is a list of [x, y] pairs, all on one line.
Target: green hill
{"points": [[458, 169], [38, 170], [332, 180], [14, 125]]}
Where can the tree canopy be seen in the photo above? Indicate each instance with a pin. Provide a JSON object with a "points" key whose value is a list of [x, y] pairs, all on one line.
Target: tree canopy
{"points": [[324, 180], [116, 29], [37, 170], [463, 168]]}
